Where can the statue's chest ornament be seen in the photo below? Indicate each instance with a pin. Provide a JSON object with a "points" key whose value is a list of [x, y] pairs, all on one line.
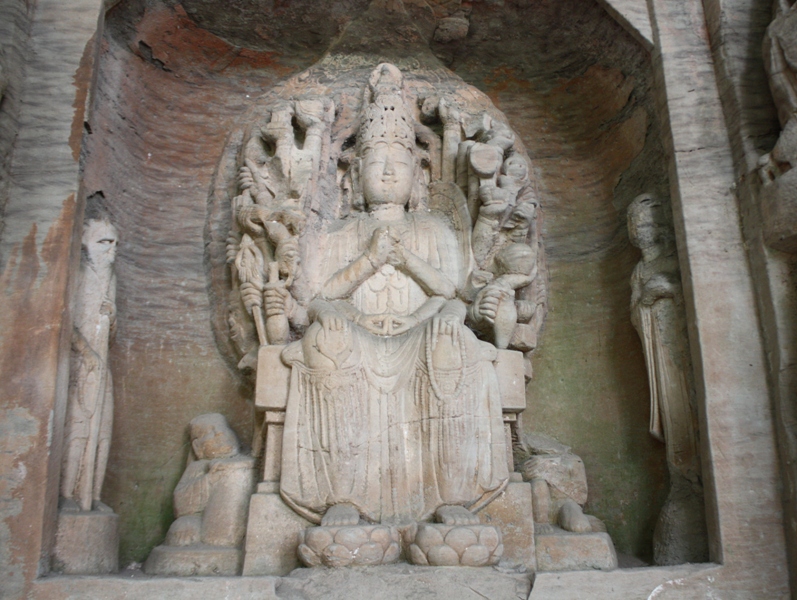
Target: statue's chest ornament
{"points": [[391, 287]]}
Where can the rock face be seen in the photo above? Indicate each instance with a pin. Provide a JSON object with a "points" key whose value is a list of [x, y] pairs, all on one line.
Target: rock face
{"points": [[139, 96]]}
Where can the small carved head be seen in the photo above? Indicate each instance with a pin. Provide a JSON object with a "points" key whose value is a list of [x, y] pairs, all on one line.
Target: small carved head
{"points": [[211, 437], [647, 222], [515, 167], [99, 243]]}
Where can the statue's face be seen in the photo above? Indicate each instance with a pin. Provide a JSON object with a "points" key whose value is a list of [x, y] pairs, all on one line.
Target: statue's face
{"points": [[643, 230], [100, 240], [287, 256], [214, 442], [515, 167], [388, 172]]}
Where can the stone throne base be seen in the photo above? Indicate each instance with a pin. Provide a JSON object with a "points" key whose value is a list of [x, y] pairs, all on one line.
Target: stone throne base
{"points": [[353, 545], [438, 545]]}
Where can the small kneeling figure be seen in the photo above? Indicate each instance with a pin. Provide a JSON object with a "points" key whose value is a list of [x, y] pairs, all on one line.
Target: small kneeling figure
{"points": [[211, 502], [558, 486]]}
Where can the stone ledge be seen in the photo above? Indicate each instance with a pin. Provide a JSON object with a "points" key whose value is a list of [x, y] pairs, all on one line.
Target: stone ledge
{"points": [[381, 583], [565, 551], [437, 583]]}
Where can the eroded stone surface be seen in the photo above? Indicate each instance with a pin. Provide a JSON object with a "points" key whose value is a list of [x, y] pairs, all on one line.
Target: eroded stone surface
{"points": [[512, 514]]}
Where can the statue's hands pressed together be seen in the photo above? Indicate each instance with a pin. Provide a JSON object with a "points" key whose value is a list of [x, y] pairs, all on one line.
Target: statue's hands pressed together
{"points": [[397, 257], [384, 245]]}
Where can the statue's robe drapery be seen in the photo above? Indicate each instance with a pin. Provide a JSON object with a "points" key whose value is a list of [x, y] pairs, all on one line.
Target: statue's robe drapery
{"points": [[671, 418], [89, 416], [387, 431]]}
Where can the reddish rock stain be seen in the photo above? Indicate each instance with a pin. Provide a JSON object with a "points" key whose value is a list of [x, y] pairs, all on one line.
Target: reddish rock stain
{"points": [[34, 289]]}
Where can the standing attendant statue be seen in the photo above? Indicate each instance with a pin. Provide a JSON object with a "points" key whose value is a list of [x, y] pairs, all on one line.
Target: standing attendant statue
{"points": [[87, 536], [90, 410], [657, 313]]}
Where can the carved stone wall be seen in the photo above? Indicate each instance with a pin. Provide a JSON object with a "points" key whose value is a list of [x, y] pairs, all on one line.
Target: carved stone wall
{"points": [[164, 70], [581, 95]]}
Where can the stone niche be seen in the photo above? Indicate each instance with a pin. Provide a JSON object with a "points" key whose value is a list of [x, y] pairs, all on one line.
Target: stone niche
{"points": [[173, 81]]}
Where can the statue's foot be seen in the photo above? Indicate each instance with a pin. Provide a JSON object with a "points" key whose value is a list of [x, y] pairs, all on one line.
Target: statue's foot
{"points": [[184, 531], [100, 506], [572, 518], [340, 515], [543, 528], [68, 505], [455, 515]]}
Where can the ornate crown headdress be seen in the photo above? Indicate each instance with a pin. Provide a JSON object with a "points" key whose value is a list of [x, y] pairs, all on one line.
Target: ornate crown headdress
{"points": [[386, 116]]}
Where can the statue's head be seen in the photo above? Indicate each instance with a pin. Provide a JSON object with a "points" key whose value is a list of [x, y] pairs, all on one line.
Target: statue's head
{"points": [[515, 167], [386, 141], [211, 437], [646, 222], [99, 242]]}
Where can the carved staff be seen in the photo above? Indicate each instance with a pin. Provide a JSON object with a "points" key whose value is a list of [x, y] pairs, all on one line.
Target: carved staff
{"points": [[250, 265]]}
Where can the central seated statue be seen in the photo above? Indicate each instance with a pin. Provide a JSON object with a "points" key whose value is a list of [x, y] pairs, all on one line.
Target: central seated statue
{"points": [[394, 412]]}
